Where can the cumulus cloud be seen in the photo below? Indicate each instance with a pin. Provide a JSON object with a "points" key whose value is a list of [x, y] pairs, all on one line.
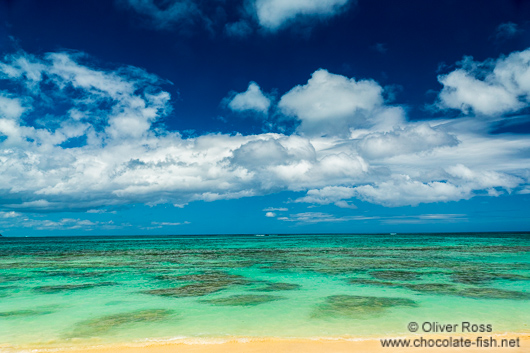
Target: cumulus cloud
{"points": [[328, 195], [101, 147], [412, 139], [400, 190], [293, 163], [490, 88], [252, 99], [484, 180], [270, 214], [332, 104], [10, 108], [273, 14]]}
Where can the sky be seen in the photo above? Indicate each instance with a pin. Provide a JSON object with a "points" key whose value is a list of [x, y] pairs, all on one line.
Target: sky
{"points": [[134, 117]]}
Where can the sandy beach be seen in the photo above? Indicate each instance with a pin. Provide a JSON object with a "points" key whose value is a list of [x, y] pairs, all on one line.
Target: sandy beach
{"points": [[520, 342]]}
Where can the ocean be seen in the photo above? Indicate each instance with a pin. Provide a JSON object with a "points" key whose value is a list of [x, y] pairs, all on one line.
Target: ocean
{"points": [[89, 291]]}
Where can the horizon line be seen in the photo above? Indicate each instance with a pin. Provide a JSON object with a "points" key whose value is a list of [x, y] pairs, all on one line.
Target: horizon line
{"points": [[258, 234]]}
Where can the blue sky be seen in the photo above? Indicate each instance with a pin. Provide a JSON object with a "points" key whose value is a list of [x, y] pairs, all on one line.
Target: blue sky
{"points": [[264, 116]]}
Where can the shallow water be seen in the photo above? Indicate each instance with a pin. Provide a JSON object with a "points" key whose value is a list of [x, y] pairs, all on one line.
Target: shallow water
{"points": [[92, 290]]}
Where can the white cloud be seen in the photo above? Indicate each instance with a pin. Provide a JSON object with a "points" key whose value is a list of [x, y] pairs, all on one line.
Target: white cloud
{"points": [[281, 209], [100, 211], [369, 151], [455, 183], [252, 99], [401, 190], [328, 195], [270, 214], [170, 224], [484, 179], [525, 190], [10, 108], [68, 224], [10, 214], [492, 87], [273, 14], [320, 217], [414, 138], [332, 104], [426, 218]]}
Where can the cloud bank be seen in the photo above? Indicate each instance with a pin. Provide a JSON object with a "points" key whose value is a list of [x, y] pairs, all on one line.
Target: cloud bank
{"points": [[75, 136]]}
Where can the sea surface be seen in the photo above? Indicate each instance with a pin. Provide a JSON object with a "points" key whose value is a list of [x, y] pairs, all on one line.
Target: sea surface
{"points": [[71, 291]]}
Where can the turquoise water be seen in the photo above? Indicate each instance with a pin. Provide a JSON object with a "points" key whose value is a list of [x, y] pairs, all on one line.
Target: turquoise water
{"points": [[67, 291]]}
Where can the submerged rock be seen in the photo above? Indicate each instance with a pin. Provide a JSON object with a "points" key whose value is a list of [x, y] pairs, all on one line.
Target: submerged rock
{"points": [[213, 276], [243, 300], [395, 275], [23, 313], [479, 278], [373, 282], [71, 287], [6, 290], [278, 286], [73, 274], [433, 288], [205, 283], [6, 278], [493, 293], [470, 278], [472, 292], [100, 326], [357, 307], [191, 290]]}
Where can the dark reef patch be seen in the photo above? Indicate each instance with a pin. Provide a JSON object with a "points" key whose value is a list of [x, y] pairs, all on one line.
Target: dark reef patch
{"points": [[395, 275], [278, 286], [493, 293], [24, 313], [71, 287], [480, 277], [373, 282], [190, 290], [243, 300], [210, 277], [357, 307], [102, 325], [433, 288]]}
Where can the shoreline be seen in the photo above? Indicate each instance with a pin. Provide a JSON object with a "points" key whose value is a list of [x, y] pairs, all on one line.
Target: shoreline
{"points": [[521, 343]]}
